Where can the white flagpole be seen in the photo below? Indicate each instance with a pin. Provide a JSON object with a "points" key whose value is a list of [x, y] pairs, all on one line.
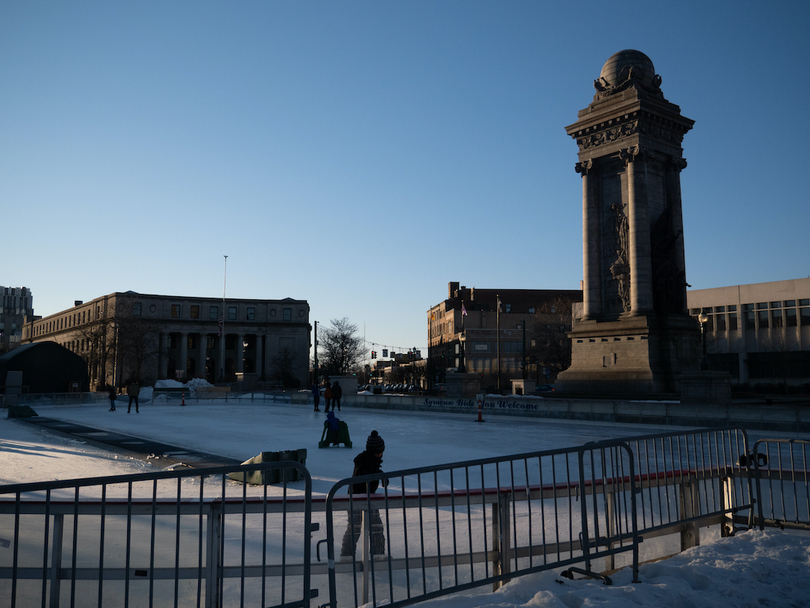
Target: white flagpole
{"points": [[222, 336]]}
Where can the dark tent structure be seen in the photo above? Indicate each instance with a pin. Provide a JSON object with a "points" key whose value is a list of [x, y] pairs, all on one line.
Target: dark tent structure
{"points": [[46, 367]]}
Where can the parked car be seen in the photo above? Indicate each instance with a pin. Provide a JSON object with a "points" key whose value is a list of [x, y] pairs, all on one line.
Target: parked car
{"points": [[544, 388]]}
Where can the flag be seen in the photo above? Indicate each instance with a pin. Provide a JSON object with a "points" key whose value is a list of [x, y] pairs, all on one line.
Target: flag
{"points": [[463, 310], [219, 325]]}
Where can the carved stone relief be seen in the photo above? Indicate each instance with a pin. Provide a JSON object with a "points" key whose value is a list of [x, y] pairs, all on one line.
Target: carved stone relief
{"points": [[616, 234]]}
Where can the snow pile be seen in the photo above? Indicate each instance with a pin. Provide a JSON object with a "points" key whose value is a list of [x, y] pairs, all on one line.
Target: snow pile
{"points": [[752, 569], [191, 388]]}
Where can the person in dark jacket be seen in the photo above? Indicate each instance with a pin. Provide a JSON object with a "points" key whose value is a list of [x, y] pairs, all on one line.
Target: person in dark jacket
{"points": [[365, 463], [316, 396], [133, 390], [327, 396], [113, 395], [337, 393]]}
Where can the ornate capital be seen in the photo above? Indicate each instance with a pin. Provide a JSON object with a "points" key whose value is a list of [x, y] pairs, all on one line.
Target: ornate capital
{"points": [[677, 164], [584, 167], [634, 153]]}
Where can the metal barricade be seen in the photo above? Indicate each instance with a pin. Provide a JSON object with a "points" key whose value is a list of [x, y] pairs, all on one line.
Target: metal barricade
{"points": [[783, 487], [175, 538], [448, 528], [692, 479]]}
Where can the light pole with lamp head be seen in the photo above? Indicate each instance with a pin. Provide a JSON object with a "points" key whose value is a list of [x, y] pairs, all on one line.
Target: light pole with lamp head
{"points": [[703, 318]]}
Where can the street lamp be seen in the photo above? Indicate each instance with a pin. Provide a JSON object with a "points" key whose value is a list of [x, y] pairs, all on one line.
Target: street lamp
{"points": [[462, 338], [703, 318]]}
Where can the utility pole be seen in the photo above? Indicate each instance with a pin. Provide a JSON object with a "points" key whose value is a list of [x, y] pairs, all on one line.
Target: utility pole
{"points": [[316, 353], [222, 325]]}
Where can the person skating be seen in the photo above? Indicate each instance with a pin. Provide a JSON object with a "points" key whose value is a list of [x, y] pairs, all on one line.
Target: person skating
{"points": [[337, 393], [113, 395], [327, 396], [316, 396], [133, 390], [366, 463]]}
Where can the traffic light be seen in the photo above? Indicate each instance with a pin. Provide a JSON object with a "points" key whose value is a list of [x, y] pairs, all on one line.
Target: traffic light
{"points": [[374, 354]]}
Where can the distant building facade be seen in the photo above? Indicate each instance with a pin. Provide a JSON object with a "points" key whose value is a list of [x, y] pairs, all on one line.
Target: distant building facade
{"points": [[17, 304], [467, 331], [758, 333], [126, 336]]}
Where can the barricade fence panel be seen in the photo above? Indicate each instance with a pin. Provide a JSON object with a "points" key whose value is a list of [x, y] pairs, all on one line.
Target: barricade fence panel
{"points": [[433, 530], [203, 538], [693, 478], [783, 484], [176, 538]]}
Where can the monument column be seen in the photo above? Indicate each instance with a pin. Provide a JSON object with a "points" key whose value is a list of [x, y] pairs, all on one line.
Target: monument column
{"points": [[591, 289], [639, 238], [674, 191]]}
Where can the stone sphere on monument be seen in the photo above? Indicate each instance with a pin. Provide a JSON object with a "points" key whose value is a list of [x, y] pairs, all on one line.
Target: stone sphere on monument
{"points": [[621, 65]]}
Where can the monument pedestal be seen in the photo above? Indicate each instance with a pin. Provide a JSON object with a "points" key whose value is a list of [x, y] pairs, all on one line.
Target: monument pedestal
{"points": [[633, 355], [462, 384], [705, 388]]}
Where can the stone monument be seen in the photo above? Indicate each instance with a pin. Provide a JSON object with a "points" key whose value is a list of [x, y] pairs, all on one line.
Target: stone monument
{"points": [[633, 335]]}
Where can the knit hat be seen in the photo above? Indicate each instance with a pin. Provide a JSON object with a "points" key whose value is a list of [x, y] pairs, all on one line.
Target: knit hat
{"points": [[375, 443]]}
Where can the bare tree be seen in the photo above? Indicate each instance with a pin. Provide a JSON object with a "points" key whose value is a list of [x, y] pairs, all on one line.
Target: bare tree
{"points": [[99, 336], [341, 350], [284, 369]]}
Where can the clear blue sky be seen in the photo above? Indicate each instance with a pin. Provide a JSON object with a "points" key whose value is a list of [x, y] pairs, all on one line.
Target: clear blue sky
{"points": [[361, 155]]}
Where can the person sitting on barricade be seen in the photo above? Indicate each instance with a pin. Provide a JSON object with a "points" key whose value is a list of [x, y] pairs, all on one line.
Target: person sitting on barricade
{"points": [[335, 432]]}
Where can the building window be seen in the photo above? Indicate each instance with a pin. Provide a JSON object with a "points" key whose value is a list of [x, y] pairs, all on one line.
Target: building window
{"points": [[804, 317], [762, 305], [287, 314], [790, 303], [776, 319], [175, 311], [251, 313], [195, 311], [231, 313], [721, 322], [191, 341], [136, 309], [213, 312], [732, 321], [209, 344], [762, 317], [790, 317], [749, 318]]}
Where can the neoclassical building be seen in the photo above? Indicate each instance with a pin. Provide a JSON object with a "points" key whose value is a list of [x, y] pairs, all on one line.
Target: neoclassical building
{"points": [[127, 335]]}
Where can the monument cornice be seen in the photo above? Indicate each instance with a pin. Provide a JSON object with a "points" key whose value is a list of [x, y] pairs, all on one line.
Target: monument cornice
{"points": [[628, 127]]}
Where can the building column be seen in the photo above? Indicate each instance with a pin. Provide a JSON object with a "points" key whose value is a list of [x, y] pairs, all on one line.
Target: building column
{"points": [[183, 351], [639, 238], [591, 292], [162, 355], [201, 356], [259, 360]]}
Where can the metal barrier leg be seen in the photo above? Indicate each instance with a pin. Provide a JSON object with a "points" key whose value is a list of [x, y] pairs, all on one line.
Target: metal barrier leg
{"points": [[690, 507], [366, 535], [56, 559], [212, 557]]}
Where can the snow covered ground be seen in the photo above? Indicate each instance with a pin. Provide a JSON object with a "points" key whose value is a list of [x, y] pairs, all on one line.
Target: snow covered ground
{"points": [[768, 568]]}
